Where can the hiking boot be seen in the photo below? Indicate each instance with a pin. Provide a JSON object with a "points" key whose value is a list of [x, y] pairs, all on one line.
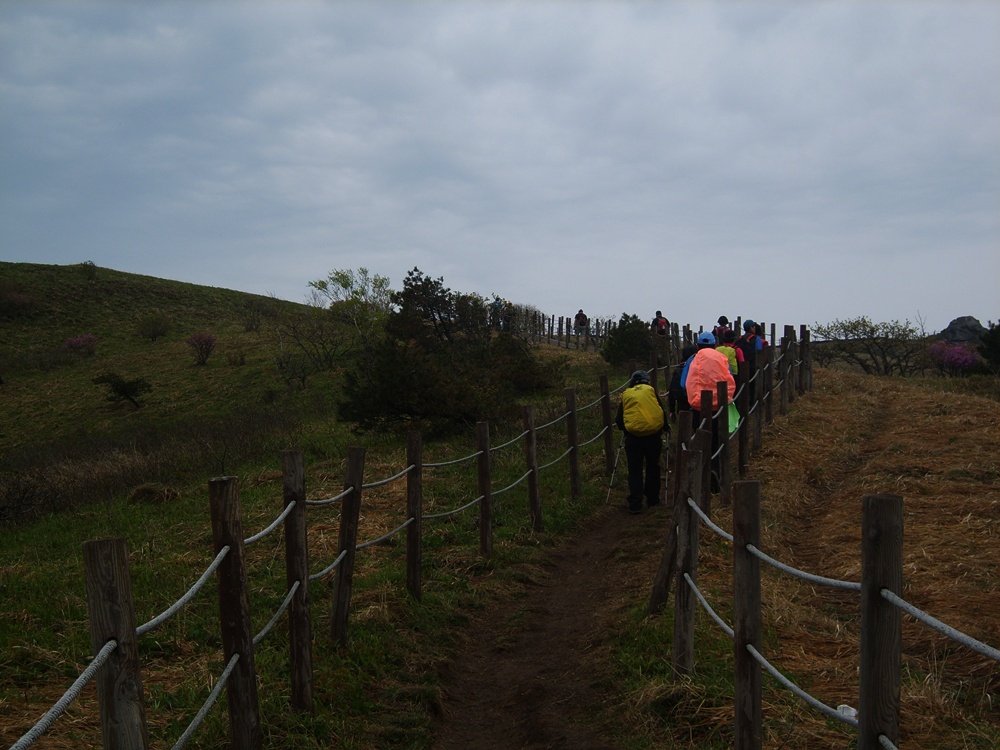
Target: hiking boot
{"points": [[635, 509]]}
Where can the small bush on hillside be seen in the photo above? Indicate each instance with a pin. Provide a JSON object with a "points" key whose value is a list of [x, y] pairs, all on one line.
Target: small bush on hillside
{"points": [[253, 312], [629, 341], [236, 356], [89, 270], [123, 390], [14, 304], [153, 326], [202, 344], [84, 345]]}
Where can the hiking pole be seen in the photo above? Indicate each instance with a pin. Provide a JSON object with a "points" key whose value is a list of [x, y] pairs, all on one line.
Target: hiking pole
{"points": [[614, 469]]}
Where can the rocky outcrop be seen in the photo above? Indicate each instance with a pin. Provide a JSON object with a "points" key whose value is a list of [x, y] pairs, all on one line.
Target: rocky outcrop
{"points": [[964, 330]]}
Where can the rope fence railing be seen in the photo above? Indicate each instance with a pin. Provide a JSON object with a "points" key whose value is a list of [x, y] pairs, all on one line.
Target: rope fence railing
{"points": [[127, 718], [188, 596], [877, 717]]}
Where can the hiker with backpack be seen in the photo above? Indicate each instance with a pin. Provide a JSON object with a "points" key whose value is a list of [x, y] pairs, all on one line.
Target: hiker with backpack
{"points": [[703, 372], [721, 328], [642, 418], [660, 325], [751, 341], [580, 323], [727, 345]]}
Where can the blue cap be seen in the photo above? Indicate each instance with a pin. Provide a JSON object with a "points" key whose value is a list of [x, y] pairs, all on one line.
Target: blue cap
{"points": [[705, 338], [748, 325]]}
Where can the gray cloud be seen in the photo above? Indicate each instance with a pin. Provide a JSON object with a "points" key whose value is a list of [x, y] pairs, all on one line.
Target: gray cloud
{"points": [[791, 162]]}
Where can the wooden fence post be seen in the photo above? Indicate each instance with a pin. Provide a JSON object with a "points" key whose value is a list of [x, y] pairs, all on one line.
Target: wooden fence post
{"points": [[768, 376], [112, 618], [881, 621], [793, 363], [234, 614], [725, 466], [573, 440], [687, 562], [803, 365], [743, 404], [807, 376], [485, 481], [761, 393], [531, 462], [350, 510], [660, 592], [297, 570], [785, 377], [609, 441], [746, 616], [415, 510], [703, 443], [685, 434]]}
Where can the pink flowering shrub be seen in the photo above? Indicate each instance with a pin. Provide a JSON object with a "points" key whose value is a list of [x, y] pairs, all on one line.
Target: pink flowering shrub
{"points": [[954, 359], [84, 345]]}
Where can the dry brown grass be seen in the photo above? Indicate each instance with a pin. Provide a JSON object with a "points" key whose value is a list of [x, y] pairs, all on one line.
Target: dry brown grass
{"points": [[852, 436]]}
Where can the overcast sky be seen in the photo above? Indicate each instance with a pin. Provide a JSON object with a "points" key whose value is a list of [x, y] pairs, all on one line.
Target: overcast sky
{"points": [[788, 161]]}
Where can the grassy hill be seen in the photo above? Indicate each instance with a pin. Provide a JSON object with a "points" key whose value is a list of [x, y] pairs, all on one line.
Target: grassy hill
{"points": [[852, 435], [195, 420]]}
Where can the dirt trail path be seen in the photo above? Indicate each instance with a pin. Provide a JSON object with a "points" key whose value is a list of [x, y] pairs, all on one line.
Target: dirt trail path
{"points": [[537, 674]]}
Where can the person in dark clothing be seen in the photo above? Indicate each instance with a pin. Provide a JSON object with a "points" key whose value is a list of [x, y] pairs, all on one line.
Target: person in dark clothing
{"points": [[676, 395], [660, 325], [642, 418]]}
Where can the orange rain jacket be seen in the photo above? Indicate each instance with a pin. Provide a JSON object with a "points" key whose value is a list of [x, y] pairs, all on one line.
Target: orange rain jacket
{"points": [[707, 368]]}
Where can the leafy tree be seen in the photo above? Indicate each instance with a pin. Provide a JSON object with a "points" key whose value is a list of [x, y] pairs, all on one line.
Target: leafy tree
{"points": [[630, 341], [439, 364], [989, 347], [310, 340], [876, 348], [123, 390], [202, 344], [253, 311], [358, 299], [153, 326]]}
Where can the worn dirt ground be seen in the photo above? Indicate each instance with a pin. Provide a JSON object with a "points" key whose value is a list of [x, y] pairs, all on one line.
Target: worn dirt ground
{"points": [[535, 674]]}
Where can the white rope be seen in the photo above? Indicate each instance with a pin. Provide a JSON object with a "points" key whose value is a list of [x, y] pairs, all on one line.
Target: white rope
{"points": [[387, 535], [454, 461], [956, 635], [175, 607], [281, 610], [274, 524], [330, 567], [817, 704], [333, 499], [32, 735], [393, 478], [457, 510], [209, 702], [821, 580]]}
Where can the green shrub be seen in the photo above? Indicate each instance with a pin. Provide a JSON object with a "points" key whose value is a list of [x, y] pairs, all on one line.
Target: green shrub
{"points": [[153, 326], [630, 341], [123, 390], [202, 344]]}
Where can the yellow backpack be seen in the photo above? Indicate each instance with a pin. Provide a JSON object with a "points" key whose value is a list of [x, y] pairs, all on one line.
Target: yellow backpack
{"points": [[641, 410]]}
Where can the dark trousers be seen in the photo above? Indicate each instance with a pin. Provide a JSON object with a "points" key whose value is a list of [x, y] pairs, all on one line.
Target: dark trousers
{"points": [[643, 455]]}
